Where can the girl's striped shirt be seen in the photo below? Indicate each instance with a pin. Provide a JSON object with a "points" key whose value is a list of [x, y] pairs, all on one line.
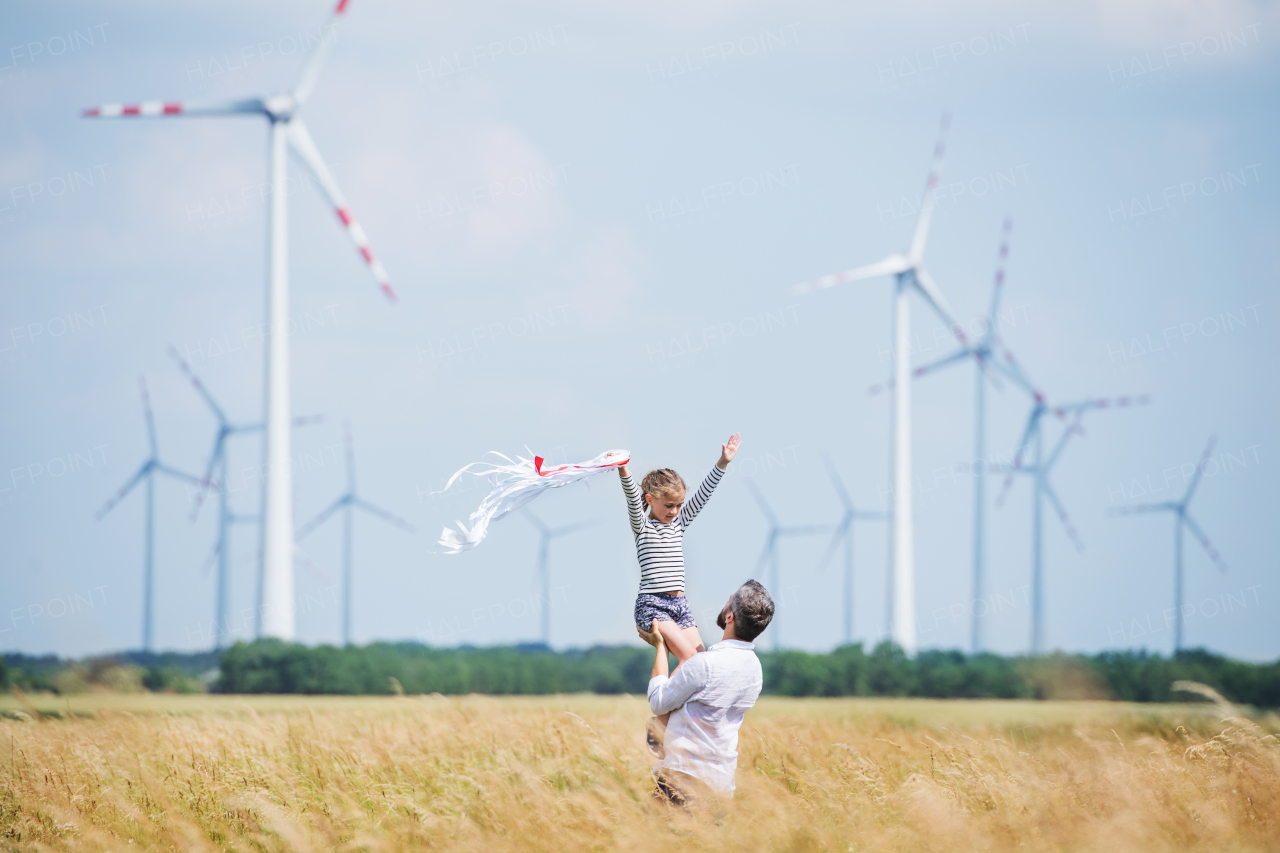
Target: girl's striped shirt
{"points": [[659, 546]]}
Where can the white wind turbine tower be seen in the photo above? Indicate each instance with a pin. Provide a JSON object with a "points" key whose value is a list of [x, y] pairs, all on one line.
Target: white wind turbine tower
{"points": [[1179, 509], [276, 615], [909, 273], [988, 350]]}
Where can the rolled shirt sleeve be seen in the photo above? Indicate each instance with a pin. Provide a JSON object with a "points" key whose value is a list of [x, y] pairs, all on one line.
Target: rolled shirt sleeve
{"points": [[667, 694]]}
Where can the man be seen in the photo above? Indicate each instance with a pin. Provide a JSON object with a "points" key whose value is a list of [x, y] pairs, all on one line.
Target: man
{"points": [[707, 699]]}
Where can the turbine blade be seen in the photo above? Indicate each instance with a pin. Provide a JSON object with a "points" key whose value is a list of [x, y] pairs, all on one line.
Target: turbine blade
{"points": [[1013, 371], [769, 543], [764, 507], [1062, 516], [1195, 478], [151, 421], [305, 148], [311, 71], [1032, 424], [837, 482], [997, 287], [195, 380], [1135, 509], [179, 475], [1074, 429], [154, 109], [888, 266], [123, 490], [836, 537], [219, 445], [930, 196], [929, 288], [351, 458], [945, 361], [1205, 543], [1100, 403], [320, 519], [384, 515], [208, 561]]}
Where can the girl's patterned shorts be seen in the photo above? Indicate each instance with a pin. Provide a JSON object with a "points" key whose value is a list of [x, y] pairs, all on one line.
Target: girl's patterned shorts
{"points": [[668, 608]]}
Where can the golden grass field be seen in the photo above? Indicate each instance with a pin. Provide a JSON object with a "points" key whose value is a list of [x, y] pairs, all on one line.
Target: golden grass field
{"points": [[564, 773]]}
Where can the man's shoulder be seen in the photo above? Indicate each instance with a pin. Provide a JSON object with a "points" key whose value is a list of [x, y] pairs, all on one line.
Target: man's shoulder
{"points": [[731, 656]]}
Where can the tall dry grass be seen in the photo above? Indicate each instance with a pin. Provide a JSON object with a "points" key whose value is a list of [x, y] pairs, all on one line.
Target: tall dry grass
{"points": [[571, 773]]}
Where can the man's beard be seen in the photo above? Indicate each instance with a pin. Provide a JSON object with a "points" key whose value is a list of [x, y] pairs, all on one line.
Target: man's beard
{"points": [[720, 619]]}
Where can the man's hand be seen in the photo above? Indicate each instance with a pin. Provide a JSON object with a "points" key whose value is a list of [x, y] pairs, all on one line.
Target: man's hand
{"points": [[653, 636], [729, 449]]}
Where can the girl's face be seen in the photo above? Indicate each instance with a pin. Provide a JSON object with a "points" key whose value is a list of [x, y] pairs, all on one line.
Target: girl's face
{"points": [[665, 508]]}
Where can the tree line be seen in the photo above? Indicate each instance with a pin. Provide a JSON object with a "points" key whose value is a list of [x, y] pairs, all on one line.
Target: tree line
{"points": [[383, 668], [272, 666]]}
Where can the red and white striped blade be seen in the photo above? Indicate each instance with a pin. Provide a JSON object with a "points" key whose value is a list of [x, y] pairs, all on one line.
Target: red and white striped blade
{"points": [[1072, 533], [1101, 403], [1205, 543], [311, 71], [893, 264], [124, 490], [997, 287], [152, 109], [1195, 480], [930, 197], [305, 147]]}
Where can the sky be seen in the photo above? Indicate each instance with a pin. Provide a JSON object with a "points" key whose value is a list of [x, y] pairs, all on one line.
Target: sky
{"points": [[592, 214]]}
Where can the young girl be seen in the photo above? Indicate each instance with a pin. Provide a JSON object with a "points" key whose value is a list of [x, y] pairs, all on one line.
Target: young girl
{"points": [[661, 605]]}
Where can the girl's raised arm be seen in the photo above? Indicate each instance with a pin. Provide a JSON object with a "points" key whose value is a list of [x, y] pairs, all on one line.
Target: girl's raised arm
{"points": [[635, 502]]}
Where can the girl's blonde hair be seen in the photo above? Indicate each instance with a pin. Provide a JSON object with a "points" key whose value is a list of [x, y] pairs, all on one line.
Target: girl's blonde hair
{"points": [[662, 483]]}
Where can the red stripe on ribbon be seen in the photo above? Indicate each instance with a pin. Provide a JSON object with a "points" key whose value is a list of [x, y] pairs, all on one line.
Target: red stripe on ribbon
{"points": [[368, 256], [172, 109], [344, 216], [131, 111], [342, 7]]}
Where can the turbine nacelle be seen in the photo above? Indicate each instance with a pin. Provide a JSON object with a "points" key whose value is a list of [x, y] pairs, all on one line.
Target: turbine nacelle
{"points": [[280, 107]]}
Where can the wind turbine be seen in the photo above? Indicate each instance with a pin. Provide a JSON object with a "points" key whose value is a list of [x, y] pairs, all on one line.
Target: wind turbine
{"points": [[546, 534], [1039, 470], [844, 533], [347, 502], [216, 474], [769, 555], [1179, 509], [909, 274], [282, 112], [990, 351], [148, 471]]}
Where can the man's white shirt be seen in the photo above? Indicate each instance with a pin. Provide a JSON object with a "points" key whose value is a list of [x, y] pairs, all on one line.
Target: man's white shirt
{"points": [[708, 695]]}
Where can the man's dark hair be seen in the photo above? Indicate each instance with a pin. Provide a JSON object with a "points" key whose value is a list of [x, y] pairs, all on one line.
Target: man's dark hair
{"points": [[752, 608]]}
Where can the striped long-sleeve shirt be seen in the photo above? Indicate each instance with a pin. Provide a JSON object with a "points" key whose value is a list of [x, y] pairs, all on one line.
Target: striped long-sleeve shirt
{"points": [[660, 547]]}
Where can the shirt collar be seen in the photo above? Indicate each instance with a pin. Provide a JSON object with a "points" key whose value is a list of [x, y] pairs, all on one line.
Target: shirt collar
{"points": [[733, 644]]}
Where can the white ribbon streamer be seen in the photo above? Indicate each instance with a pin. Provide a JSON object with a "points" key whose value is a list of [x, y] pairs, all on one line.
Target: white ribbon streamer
{"points": [[515, 484]]}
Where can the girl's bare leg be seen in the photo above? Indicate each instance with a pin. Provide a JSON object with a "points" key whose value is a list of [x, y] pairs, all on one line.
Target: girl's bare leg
{"points": [[684, 643]]}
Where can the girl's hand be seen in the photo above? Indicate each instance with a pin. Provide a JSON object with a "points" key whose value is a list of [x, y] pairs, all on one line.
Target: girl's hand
{"points": [[729, 449]]}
